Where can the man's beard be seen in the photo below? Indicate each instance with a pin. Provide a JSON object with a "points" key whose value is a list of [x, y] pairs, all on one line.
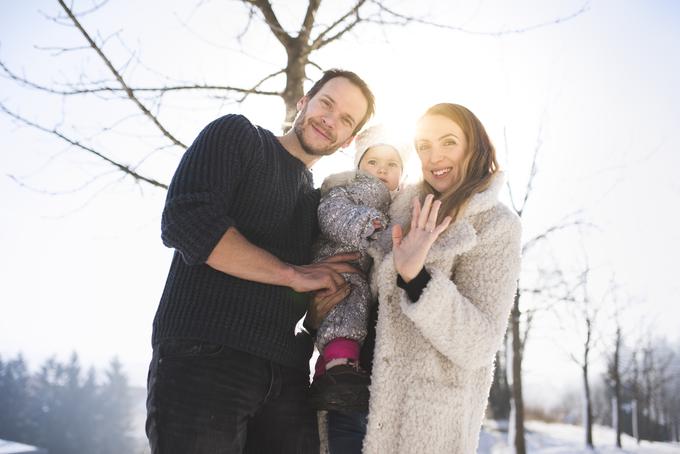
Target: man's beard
{"points": [[298, 128]]}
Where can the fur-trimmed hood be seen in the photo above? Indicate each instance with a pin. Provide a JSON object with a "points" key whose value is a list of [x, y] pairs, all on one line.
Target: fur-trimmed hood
{"points": [[344, 179]]}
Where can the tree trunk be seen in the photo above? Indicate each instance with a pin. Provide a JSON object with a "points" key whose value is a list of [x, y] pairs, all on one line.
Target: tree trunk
{"points": [[588, 411], [517, 399], [295, 80], [616, 410], [636, 427], [500, 394]]}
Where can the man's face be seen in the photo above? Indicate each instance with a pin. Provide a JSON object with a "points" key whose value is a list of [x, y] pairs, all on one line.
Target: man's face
{"points": [[327, 121]]}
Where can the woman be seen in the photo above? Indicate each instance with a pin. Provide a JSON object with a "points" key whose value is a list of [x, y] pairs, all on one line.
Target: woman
{"points": [[445, 292]]}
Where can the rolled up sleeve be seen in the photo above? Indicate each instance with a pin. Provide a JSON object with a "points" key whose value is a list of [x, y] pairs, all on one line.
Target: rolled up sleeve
{"points": [[197, 207]]}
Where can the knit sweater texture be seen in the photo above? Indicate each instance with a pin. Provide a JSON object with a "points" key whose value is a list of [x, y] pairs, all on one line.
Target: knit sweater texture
{"points": [[237, 175]]}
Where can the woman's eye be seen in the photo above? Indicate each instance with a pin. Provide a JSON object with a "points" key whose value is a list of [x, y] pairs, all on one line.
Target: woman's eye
{"points": [[394, 164], [449, 143], [422, 147]]}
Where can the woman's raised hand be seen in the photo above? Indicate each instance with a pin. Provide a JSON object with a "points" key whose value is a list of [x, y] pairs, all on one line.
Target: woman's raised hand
{"points": [[410, 251]]}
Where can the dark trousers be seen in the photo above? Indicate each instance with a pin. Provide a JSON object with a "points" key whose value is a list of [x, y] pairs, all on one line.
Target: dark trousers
{"points": [[208, 398], [346, 432]]}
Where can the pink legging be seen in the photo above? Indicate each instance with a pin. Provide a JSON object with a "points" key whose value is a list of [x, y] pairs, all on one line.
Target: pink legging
{"points": [[335, 349]]}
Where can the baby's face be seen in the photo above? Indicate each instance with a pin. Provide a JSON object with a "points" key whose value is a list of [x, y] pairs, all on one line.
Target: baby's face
{"points": [[383, 162]]}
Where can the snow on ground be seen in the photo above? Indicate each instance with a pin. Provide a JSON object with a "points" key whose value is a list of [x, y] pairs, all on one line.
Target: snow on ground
{"points": [[544, 438]]}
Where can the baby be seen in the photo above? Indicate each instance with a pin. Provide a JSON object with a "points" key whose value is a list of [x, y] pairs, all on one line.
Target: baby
{"points": [[352, 212]]}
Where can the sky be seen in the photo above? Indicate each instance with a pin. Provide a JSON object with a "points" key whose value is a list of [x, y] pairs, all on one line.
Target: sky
{"points": [[84, 266]]}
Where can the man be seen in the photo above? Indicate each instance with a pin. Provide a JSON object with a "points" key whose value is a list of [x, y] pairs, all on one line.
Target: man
{"points": [[228, 373]]}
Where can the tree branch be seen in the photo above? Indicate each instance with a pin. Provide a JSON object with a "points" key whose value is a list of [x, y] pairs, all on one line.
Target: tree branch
{"points": [[88, 183], [321, 39], [251, 14], [263, 80], [507, 183], [532, 172], [559, 20], [117, 75], [122, 167], [161, 90], [272, 21], [542, 236], [308, 22]]}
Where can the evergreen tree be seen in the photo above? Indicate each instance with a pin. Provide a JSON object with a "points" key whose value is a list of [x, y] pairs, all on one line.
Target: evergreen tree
{"points": [[61, 409], [15, 422], [115, 410]]}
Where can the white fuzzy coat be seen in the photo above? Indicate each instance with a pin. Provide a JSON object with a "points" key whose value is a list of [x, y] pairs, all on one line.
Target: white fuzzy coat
{"points": [[433, 360]]}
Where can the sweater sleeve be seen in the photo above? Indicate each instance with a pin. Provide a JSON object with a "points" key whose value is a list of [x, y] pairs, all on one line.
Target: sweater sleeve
{"points": [[196, 212], [342, 220], [464, 318], [415, 287]]}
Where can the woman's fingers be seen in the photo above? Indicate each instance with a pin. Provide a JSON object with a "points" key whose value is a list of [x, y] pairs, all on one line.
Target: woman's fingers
{"points": [[432, 218], [425, 211], [397, 235], [441, 227], [415, 214]]}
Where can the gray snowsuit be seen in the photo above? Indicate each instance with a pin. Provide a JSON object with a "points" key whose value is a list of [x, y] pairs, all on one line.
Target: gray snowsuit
{"points": [[350, 201]]}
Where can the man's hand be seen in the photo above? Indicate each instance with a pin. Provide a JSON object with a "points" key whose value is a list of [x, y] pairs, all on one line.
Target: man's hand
{"points": [[322, 304], [323, 276], [236, 256]]}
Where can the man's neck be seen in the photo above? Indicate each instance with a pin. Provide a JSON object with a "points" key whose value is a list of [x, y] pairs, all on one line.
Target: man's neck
{"points": [[293, 146]]}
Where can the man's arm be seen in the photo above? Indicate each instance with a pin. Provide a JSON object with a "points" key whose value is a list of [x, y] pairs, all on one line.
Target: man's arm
{"points": [[236, 256]]}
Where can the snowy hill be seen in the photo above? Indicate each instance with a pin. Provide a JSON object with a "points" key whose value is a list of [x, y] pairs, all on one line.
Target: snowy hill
{"points": [[544, 438]]}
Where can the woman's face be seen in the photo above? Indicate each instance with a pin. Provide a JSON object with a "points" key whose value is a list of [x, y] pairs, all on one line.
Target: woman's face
{"points": [[441, 146]]}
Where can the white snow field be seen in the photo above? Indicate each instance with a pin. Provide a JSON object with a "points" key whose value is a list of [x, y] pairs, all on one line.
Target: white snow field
{"points": [[546, 438]]}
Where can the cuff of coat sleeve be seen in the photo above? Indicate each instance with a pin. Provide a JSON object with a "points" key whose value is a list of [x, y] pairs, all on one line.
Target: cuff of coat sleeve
{"points": [[415, 287]]}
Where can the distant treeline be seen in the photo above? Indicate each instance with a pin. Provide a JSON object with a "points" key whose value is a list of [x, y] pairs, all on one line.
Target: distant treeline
{"points": [[639, 390], [63, 409]]}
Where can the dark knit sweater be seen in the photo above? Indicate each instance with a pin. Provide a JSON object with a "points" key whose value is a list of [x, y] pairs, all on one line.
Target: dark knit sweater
{"points": [[237, 174]]}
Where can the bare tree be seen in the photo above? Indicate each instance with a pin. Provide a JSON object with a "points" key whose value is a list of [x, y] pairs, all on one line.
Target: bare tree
{"points": [[655, 378], [588, 316], [616, 369], [614, 376], [519, 327], [583, 314], [299, 43]]}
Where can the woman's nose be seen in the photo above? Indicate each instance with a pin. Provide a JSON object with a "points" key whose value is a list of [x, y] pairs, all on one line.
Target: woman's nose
{"points": [[436, 155]]}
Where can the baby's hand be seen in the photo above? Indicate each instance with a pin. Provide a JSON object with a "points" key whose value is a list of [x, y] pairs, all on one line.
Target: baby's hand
{"points": [[377, 224]]}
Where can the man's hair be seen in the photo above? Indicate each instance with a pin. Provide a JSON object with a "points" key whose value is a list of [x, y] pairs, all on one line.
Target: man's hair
{"points": [[356, 80]]}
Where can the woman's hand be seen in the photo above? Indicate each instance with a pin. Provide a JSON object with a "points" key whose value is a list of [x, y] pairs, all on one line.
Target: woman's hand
{"points": [[410, 251]]}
